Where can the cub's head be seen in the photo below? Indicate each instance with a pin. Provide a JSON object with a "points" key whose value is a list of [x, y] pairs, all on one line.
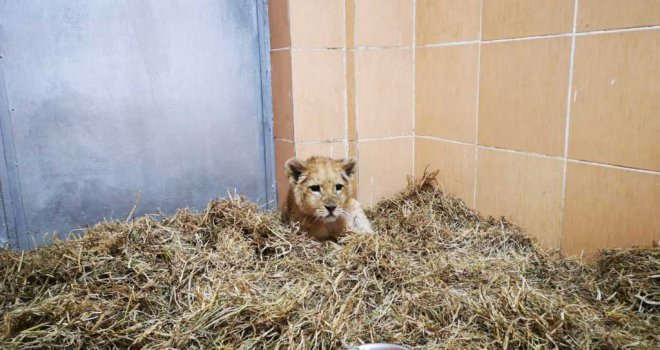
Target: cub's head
{"points": [[322, 186]]}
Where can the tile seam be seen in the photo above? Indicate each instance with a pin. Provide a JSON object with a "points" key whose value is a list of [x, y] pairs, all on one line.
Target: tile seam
{"points": [[345, 56], [567, 127], [480, 41], [537, 155], [414, 86], [476, 124], [385, 138]]}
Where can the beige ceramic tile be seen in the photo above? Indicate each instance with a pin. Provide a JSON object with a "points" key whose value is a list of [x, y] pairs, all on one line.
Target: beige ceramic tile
{"points": [[446, 92], [525, 189], [440, 21], [282, 105], [335, 150], [383, 167], [319, 106], [350, 95], [609, 208], [615, 114], [383, 22], [384, 92], [278, 16], [317, 23], [283, 151], [523, 95], [455, 163], [523, 18], [609, 14]]}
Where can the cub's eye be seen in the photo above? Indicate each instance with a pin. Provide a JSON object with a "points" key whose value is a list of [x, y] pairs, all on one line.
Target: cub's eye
{"points": [[315, 188], [339, 187]]}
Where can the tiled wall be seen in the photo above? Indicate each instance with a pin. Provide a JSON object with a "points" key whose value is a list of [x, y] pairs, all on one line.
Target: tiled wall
{"points": [[544, 111], [343, 86]]}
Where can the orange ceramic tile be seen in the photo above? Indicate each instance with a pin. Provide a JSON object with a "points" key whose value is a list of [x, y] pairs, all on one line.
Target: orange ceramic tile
{"points": [[317, 23], [282, 105], [335, 150], [384, 89], [523, 18], [350, 23], [610, 14], [352, 152], [455, 163], [352, 149], [319, 106], [441, 21], [278, 18], [350, 95], [383, 167], [525, 189], [283, 151], [383, 22], [446, 92], [523, 95], [616, 101], [609, 208]]}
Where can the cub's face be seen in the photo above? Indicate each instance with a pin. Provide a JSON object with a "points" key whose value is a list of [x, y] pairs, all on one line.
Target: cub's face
{"points": [[322, 186]]}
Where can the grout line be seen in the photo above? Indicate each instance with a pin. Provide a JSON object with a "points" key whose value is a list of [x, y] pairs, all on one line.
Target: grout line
{"points": [[318, 49], [283, 139], [522, 153], [574, 33], [414, 85], [476, 124], [346, 78], [383, 47], [433, 138], [355, 102], [357, 118], [319, 142], [385, 138], [617, 167], [356, 90], [540, 155], [536, 37], [567, 127], [479, 41], [454, 43], [618, 30]]}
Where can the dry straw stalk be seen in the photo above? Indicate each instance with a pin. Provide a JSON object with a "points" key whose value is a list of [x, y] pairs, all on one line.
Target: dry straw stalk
{"points": [[436, 276]]}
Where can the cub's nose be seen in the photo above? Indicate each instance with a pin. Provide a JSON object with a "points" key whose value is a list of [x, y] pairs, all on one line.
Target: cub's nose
{"points": [[330, 208]]}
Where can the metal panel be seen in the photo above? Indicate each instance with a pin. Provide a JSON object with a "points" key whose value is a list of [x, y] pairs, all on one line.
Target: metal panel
{"points": [[4, 234], [107, 99], [267, 102], [12, 201]]}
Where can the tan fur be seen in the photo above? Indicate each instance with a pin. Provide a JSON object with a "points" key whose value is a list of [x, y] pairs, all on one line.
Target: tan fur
{"points": [[310, 207]]}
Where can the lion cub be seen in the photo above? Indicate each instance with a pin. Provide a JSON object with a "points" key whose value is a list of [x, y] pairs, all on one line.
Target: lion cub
{"points": [[321, 197]]}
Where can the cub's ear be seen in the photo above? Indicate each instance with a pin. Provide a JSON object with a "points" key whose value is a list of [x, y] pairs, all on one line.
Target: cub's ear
{"points": [[294, 169], [349, 165]]}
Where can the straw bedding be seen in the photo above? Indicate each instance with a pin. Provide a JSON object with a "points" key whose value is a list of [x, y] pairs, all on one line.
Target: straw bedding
{"points": [[436, 276]]}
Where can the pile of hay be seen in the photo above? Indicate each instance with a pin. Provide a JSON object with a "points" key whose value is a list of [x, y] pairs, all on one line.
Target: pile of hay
{"points": [[436, 276]]}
